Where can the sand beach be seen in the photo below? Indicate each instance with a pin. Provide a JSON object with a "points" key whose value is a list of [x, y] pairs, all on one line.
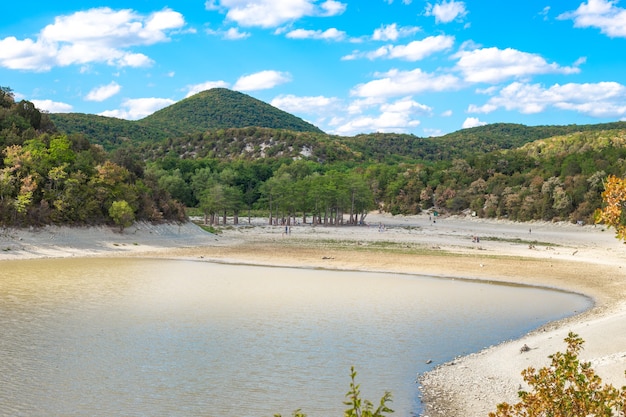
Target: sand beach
{"points": [[582, 259]]}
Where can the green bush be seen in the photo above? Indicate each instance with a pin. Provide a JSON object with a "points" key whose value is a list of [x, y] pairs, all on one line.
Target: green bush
{"points": [[358, 407]]}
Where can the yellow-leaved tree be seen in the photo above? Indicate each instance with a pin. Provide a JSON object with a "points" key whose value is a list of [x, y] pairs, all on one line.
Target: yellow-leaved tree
{"points": [[614, 198]]}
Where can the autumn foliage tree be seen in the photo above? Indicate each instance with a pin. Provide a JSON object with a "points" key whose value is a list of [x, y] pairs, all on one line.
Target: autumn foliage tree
{"points": [[614, 198], [567, 387]]}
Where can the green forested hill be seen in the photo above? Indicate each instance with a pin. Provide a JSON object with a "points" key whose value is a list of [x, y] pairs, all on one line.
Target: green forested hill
{"points": [[503, 170], [106, 131], [263, 143], [218, 108], [231, 125]]}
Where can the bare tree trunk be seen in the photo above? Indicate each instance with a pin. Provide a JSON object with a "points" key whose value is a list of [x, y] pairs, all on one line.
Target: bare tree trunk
{"points": [[352, 214], [271, 210]]}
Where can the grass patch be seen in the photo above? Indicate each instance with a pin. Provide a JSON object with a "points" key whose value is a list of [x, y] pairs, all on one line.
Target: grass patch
{"points": [[209, 228], [366, 246], [518, 240]]}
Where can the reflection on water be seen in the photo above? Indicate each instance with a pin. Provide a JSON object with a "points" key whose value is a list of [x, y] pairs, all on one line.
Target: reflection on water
{"points": [[112, 337]]}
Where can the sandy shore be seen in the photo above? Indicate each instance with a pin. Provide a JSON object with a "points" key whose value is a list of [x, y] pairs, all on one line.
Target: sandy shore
{"points": [[582, 259]]}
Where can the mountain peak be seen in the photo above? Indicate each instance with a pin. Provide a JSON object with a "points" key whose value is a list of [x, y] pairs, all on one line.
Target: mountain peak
{"points": [[219, 108]]}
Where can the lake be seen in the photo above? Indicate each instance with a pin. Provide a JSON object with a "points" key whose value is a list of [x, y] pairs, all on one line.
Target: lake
{"points": [[153, 337]]}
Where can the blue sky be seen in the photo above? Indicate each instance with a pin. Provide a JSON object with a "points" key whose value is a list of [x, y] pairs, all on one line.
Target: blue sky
{"points": [[347, 66]]}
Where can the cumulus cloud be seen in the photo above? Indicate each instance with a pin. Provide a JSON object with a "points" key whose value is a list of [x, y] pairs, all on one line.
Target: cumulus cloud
{"points": [[103, 92], [413, 51], [493, 65], [331, 34], [332, 8], [197, 88], [231, 34], [262, 80], [401, 83], [100, 35], [446, 11], [472, 122], [273, 13], [361, 105], [138, 108], [52, 106], [601, 14], [398, 116], [393, 32], [602, 100], [312, 105]]}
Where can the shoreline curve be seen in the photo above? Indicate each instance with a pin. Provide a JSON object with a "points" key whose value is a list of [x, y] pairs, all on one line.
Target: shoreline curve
{"points": [[586, 260]]}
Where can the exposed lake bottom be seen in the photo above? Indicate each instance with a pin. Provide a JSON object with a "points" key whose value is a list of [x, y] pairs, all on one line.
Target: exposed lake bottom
{"points": [[139, 337]]}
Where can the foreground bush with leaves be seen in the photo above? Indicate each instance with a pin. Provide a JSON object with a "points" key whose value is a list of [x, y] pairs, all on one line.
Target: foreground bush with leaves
{"points": [[566, 388], [358, 407]]}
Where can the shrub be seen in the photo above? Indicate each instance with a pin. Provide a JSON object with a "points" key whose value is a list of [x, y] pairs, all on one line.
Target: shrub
{"points": [[358, 407], [566, 388]]}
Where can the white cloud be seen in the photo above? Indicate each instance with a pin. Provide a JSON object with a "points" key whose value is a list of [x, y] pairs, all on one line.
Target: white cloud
{"points": [[312, 105], [393, 32], [262, 80], [232, 34], [601, 14], [52, 106], [401, 83], [405, 105], [103, 92], [333, 8], [235, 34], [273, 13], [493, 65], [413, 51], [133, 109], [446, 11], [361, 105], [398, 116], [98, 35], [329, 34], [605, 99], [197, 88], [472, 122], [26, 54]]}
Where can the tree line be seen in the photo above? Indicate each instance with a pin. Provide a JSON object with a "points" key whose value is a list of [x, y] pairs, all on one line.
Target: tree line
{"points": [[556, 179]]}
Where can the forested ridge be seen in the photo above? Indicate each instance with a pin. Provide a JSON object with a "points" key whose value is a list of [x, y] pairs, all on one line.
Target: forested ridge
{"points": [[217, 108], [501, 170]]}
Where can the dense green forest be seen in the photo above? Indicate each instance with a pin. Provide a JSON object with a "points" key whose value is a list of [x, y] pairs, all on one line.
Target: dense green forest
{"points": [[51, 178], [210, 154]]}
